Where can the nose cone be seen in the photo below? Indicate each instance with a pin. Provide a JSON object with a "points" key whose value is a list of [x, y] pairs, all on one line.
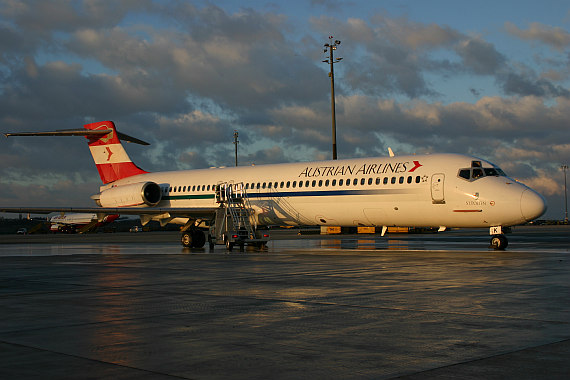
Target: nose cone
{"points": [[533, 205]]}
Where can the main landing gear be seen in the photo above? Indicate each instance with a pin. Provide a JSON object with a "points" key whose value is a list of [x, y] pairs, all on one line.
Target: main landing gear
{"points": [[193, 238], [498, 240]]}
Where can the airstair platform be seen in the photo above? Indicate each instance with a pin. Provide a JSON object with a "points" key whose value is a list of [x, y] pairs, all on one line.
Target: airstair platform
{"points": [[234, 223]]}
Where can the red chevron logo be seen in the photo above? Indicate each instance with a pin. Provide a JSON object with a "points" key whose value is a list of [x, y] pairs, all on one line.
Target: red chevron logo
{"points": [[110, 154], [417, 165]]}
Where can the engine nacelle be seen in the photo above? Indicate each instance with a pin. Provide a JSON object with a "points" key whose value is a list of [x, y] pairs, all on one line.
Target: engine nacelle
{"points": [[135, 194]]}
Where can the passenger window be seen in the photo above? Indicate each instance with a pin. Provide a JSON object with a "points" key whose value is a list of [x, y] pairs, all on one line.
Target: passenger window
{"points": [[294, 183], [194, 188], [362, 181], [327, 183], [401, 180], [385, 180], [258, 185], [263, 186], [300, 183], [282, 184], [269, 185], [393, 181], [314, 183], [320, 183], [340, 182], [348, 182], [410, 179], [378, 180], [307, 183], [354, 182], [288, 184], [370, 181], [334, 182], [418, 179]]}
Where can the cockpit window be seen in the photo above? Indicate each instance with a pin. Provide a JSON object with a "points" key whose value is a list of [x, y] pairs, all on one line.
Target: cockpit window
{"points": [[465, 173], [477, 171]]}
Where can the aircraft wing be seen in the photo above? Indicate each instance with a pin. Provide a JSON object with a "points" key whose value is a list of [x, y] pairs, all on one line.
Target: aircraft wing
{"points": [[182, 212]]}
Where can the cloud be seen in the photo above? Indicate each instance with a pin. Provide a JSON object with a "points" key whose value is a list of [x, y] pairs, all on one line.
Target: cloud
{"points": [[555, 38], [479, 56], [544, 183], [527, 83]]}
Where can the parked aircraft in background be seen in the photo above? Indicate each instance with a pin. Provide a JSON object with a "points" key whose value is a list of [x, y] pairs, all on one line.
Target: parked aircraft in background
{"points": [[71, 223], [435, 190]]}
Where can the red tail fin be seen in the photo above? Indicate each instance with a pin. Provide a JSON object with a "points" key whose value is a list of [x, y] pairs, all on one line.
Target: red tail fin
{"points": [[110, 157]]}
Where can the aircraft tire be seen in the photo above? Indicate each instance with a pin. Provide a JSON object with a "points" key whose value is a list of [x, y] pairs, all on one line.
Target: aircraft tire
{"points": [[229, 246], [499, 242], [186, 239], [198, 239]]}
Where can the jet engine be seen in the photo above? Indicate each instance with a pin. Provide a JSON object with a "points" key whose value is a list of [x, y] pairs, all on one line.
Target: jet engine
{"points": [[135, 194]]}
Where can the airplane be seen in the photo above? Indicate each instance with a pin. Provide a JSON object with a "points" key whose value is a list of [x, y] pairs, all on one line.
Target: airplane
{"points": [[76, 221], [432, 190]]}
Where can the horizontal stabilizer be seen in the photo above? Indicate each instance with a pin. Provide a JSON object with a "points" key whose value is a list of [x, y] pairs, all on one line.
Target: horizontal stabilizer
{"points": [[80, 132]]}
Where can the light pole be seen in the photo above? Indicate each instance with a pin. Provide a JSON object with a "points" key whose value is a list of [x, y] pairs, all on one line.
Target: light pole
{"points": [[236, 142], [330, 47], [565, 169]]}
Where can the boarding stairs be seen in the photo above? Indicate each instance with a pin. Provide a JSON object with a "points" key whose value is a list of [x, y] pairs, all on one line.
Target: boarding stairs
{"points": [[88, 227], [232, 222], [238, 208]]}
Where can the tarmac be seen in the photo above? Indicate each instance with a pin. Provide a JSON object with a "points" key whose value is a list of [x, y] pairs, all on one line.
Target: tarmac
{"points": [[430, 306]]}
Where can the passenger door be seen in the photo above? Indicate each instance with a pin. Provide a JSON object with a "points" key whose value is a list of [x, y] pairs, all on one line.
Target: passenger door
{"points": [[437, 188]]}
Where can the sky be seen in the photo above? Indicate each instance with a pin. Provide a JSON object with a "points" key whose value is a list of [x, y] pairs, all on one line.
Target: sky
{"points": [[486, 78]]}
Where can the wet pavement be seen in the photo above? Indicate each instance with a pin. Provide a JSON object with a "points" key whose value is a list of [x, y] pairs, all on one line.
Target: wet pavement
{"points": [[358, 307]]}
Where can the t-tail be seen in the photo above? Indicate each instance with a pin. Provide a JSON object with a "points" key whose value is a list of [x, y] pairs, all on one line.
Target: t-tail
{"points": [[112, 161], [110, 157]]}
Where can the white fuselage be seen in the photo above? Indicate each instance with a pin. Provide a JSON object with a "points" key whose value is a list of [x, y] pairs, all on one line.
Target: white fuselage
{"points": [[78, 219], [422, 190]]}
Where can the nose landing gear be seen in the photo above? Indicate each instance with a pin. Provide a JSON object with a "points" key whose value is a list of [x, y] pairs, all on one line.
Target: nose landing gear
{"points": [[499, 242]]}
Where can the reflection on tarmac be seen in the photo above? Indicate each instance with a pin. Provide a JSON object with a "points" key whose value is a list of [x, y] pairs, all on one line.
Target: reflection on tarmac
{"points": [[406, 306], [366, 244]]}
